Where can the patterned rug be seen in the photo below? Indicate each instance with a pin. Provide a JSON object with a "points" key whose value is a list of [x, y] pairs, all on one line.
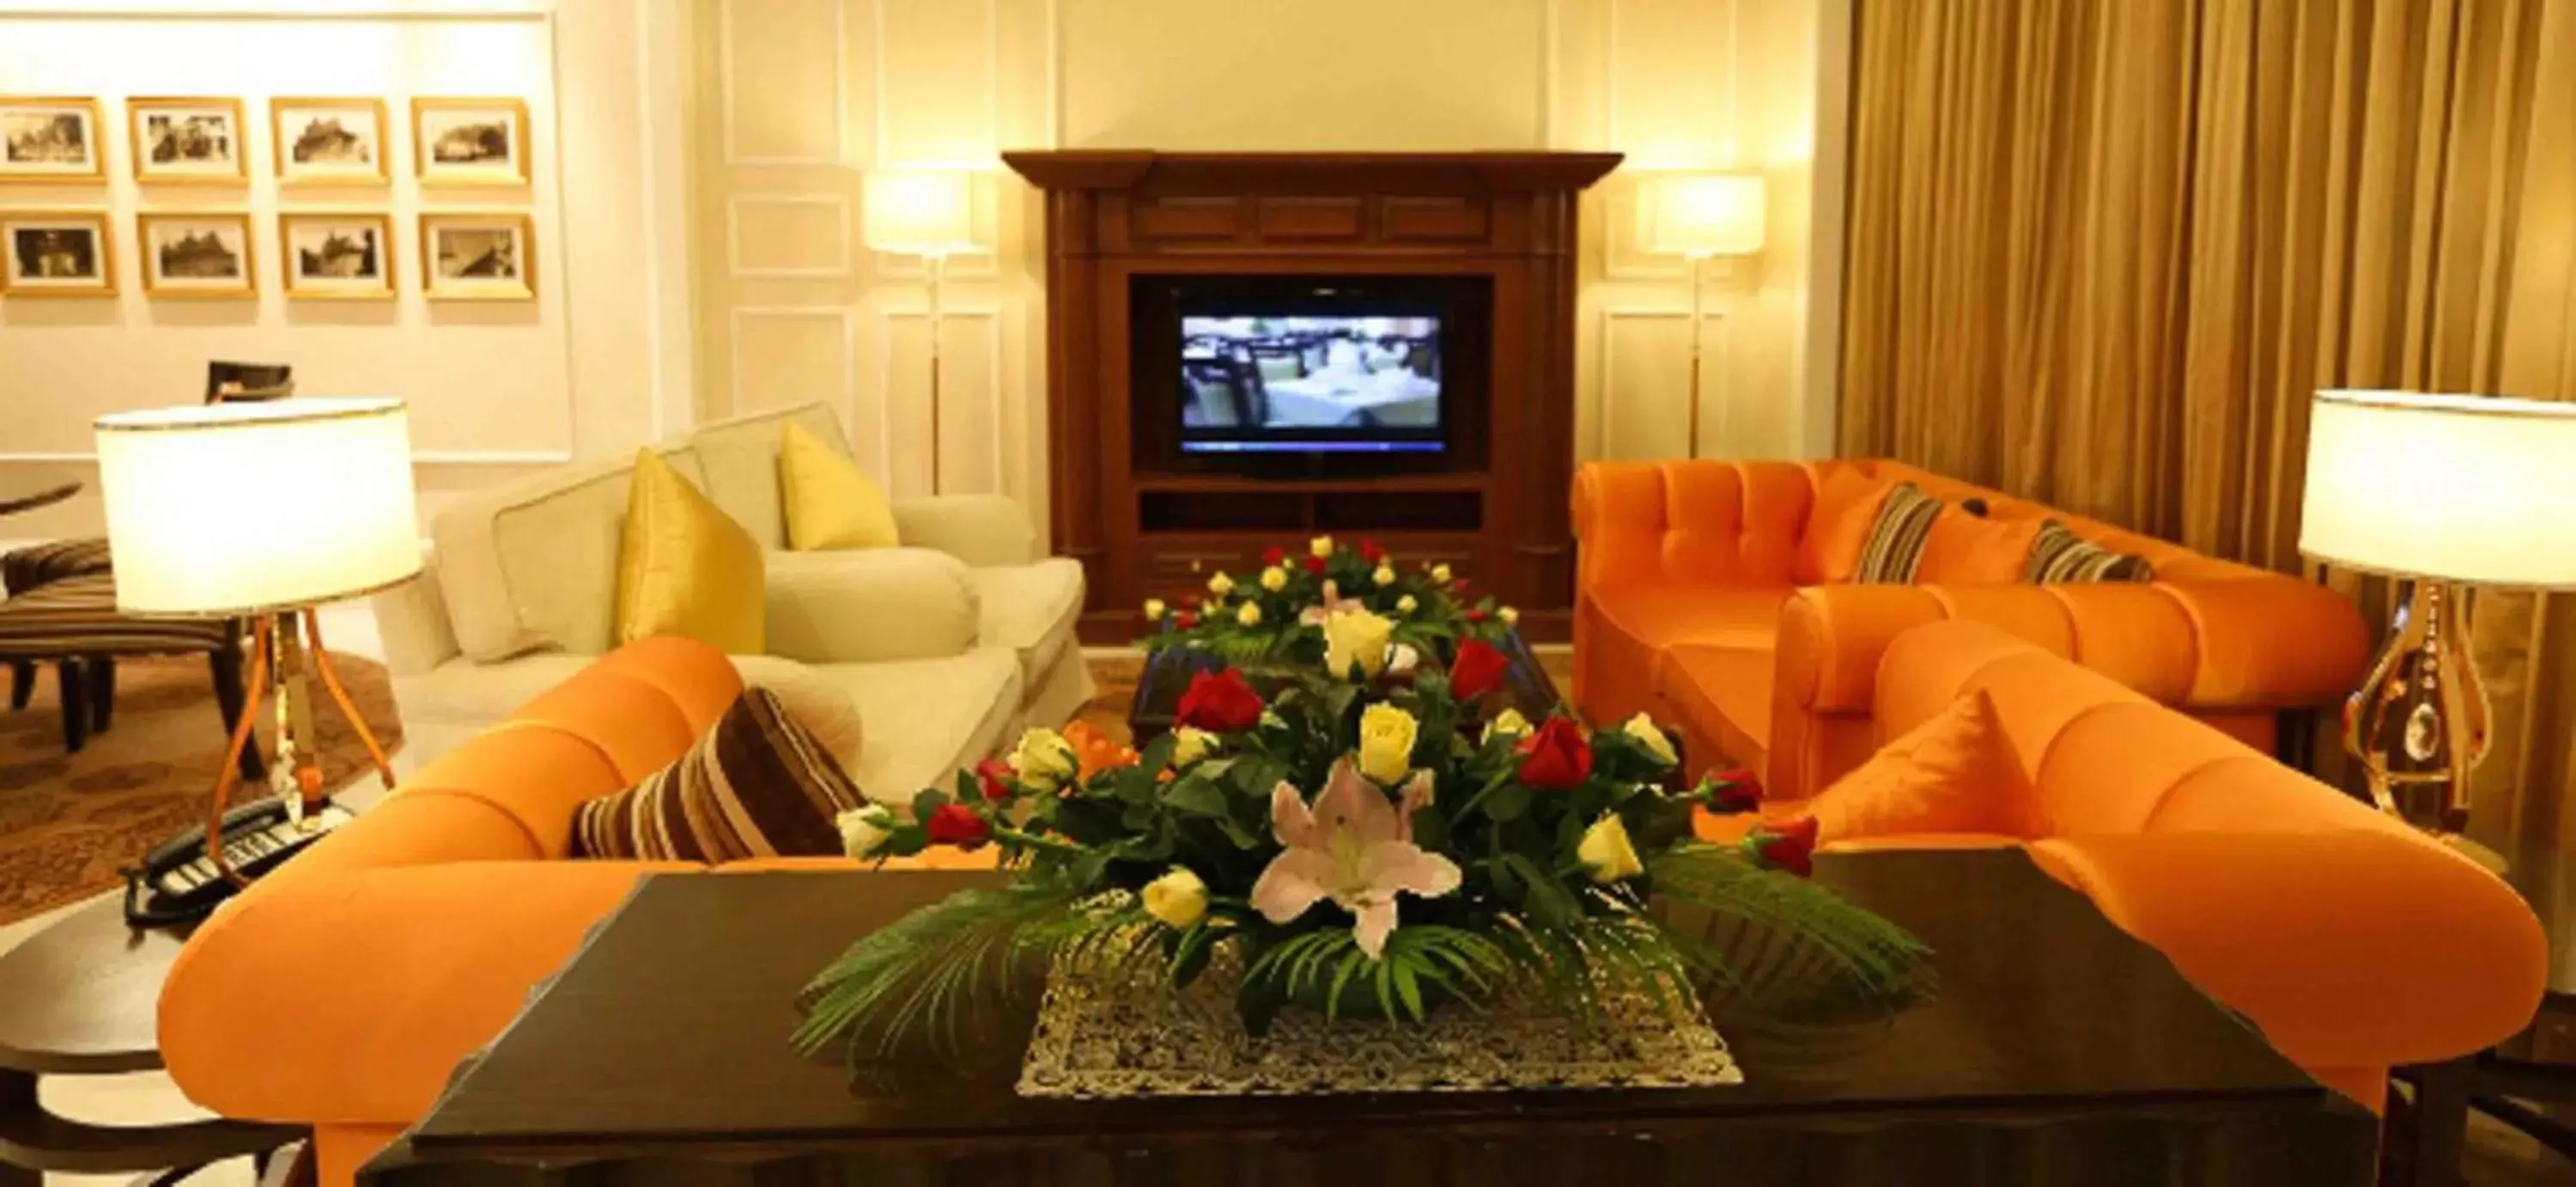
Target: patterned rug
{"points": [[68, 822]]}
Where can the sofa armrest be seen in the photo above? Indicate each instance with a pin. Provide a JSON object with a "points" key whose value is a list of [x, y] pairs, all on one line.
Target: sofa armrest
{"points": [[394, 975], [871, 605], [2351, 948], [984, 531]]}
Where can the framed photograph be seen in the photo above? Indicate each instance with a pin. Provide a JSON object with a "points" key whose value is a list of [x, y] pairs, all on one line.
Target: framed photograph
{"points": [[346, 257], [470, 141], [195, 255], [328, 141], [186, 139], [478, 257], [56, 253], [45, 139]]}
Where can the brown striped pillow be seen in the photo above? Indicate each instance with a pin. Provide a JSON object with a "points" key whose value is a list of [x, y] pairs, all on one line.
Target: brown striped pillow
{"points": [[2059, 557], [758, 785], [1895, 544]]}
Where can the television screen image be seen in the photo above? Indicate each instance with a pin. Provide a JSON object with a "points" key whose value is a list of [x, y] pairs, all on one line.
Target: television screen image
{"points": [[1256, 382]]}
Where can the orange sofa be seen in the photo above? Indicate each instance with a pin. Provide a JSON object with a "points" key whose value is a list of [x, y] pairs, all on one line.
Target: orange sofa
{"points": [[1718, 595], [2353, 941]]}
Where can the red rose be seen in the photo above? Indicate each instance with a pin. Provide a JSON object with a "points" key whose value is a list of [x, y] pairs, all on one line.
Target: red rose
{"points": [[1736, 791], [1370, 552], [1315, 565], [1475, 616], [1220, 703], [1273, 555], [1477, 670], [991, 774], [957, 824], [1185, 620], [1556, 756], [1458, 586], [1790, 847]]}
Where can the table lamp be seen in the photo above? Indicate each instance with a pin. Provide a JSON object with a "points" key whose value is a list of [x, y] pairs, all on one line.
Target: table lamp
{"points": [[928, 213], [1698, 216], [2440, 492], [262, 512]]}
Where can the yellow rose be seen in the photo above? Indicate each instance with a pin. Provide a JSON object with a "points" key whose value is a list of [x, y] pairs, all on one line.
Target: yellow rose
{"points": [[1220, 585], [1507, 724], [1249, 615], [1509, 616], [864, 830], [1274, 579], [1440, 573], [1386, 742], [1406, 604], [1385, 575], [1320, 546], [1642, 728], [1606, 853], [1356, 637], [1190, 744], [1154, 609], [1043, 759], [1178, 898]]}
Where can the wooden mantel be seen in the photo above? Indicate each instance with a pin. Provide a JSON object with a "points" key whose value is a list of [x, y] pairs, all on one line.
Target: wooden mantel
{"points": [[1507, 220]]}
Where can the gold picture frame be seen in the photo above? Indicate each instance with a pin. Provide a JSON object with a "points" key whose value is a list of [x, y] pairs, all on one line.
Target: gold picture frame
{"points": [[196, 154], [487, 268], [30, 134], [314, 141], [19, 279], [319, 260], [200, 264], [452, 141]]}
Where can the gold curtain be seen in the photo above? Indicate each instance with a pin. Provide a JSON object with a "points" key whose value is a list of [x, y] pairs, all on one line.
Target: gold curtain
{"points": [[2103, 252]]}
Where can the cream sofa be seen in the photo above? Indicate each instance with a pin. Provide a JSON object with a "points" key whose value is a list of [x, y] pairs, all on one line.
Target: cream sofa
{"points": [[945, 646]]}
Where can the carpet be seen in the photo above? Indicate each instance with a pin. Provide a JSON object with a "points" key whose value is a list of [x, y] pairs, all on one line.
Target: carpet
{"points": [[69, 822]]}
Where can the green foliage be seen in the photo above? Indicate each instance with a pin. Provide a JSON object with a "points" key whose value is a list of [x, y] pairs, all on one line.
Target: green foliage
{"points": [[1879, 959]]}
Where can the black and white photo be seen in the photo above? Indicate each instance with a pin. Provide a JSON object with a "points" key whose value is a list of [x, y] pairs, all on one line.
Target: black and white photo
{"points": [[55, 254], [470, 141], [196, 255], [186, 139], [327, 141], [344, 256], [48, 138], [477, 257]]}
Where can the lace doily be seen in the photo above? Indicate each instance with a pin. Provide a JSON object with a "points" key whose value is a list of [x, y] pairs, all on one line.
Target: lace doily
{"points": [[1099, 1035]]}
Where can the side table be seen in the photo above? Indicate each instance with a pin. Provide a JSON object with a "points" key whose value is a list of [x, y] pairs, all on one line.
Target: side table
{"points": [[80, 999]]}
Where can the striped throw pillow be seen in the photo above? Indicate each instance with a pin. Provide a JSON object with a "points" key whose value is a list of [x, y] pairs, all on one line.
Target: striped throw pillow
{"points": [[1895, 544], [758, 785], [2059, 557]]}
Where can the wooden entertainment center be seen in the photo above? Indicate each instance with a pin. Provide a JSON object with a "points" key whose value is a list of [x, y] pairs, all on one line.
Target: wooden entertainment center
{"points": [[1500, 226]]}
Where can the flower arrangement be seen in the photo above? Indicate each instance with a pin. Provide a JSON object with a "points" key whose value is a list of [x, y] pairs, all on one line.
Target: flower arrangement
{"points": [[1364, 848], [1336, 601]]}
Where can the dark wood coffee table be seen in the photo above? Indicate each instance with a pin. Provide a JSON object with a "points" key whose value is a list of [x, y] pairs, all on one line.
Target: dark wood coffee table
{"points": [[2062, 1051], [80, 999]]}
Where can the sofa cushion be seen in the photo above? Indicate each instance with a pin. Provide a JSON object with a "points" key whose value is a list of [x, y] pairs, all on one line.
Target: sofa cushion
{"points": [[740, 459], [1847, 500], [829, 502], [758, 785], [1031, 610], [928, 719], [2060, 555], [1896, 538], [685, 569], [1955, 773], [532, 564], [1976, 550]]}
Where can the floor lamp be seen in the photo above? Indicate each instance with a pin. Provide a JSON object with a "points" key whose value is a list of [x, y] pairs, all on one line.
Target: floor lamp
{"points": [[928, 213], [2440, 492], [1699, 216], [260, 512]]}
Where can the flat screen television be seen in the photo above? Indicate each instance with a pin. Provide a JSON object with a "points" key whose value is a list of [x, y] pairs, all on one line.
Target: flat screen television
{"points": [[1312, 369]]}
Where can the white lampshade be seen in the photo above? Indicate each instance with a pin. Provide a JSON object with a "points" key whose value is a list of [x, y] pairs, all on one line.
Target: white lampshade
{"points": [[243, 508], [1704, 214], [919, 212], [2474, 489]]}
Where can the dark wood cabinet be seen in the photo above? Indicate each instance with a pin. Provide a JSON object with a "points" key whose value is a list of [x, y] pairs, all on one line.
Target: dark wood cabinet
{"points": [[1494, 508]]}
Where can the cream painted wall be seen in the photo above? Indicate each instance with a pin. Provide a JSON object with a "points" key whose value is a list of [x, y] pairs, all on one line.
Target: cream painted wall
{"points": [[496, 389], [794, 99]]}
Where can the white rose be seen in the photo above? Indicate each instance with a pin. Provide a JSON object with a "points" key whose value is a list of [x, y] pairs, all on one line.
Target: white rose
{"points": [[1440, 573], [1644, 730], [1320, 546], [1274, 579], [1385, 575], [1043, 759], [1178, 898], [1406, 604], [1509, 616], [864, 830], [1403, 658], [1606, 852], [1190, 744], [1507, 724], [1220, 585], [1154, 609], [1249, 614]]}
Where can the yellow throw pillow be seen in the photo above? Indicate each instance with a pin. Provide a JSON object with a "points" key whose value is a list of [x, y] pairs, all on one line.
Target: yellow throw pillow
{"points": [[685, 568], [830, 502]]}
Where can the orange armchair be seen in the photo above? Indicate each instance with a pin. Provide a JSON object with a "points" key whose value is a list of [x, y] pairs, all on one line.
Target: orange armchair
{"points": [[1718, 595]]}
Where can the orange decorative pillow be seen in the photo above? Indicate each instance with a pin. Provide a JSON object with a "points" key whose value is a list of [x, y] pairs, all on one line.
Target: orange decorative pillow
{"points": [[1838, 528], [1966, 549], [1955, 773]]}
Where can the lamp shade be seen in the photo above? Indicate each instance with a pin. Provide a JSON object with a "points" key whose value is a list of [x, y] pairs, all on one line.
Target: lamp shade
{"points": [[2461, 488], [243, 508], [920, 212], [1705, 214]]}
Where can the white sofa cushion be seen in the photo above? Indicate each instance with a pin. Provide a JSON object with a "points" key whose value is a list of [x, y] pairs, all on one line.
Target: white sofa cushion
{"points": [[532, 564], [1031, 610], [928, 719], [740, 457]]}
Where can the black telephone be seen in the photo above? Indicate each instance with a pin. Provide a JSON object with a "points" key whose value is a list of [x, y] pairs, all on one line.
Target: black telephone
{"points": [[178, 882]]}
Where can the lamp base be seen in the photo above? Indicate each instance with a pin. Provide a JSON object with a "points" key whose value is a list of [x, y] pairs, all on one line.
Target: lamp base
{"points": [[287, 652], [2419, 722]]}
